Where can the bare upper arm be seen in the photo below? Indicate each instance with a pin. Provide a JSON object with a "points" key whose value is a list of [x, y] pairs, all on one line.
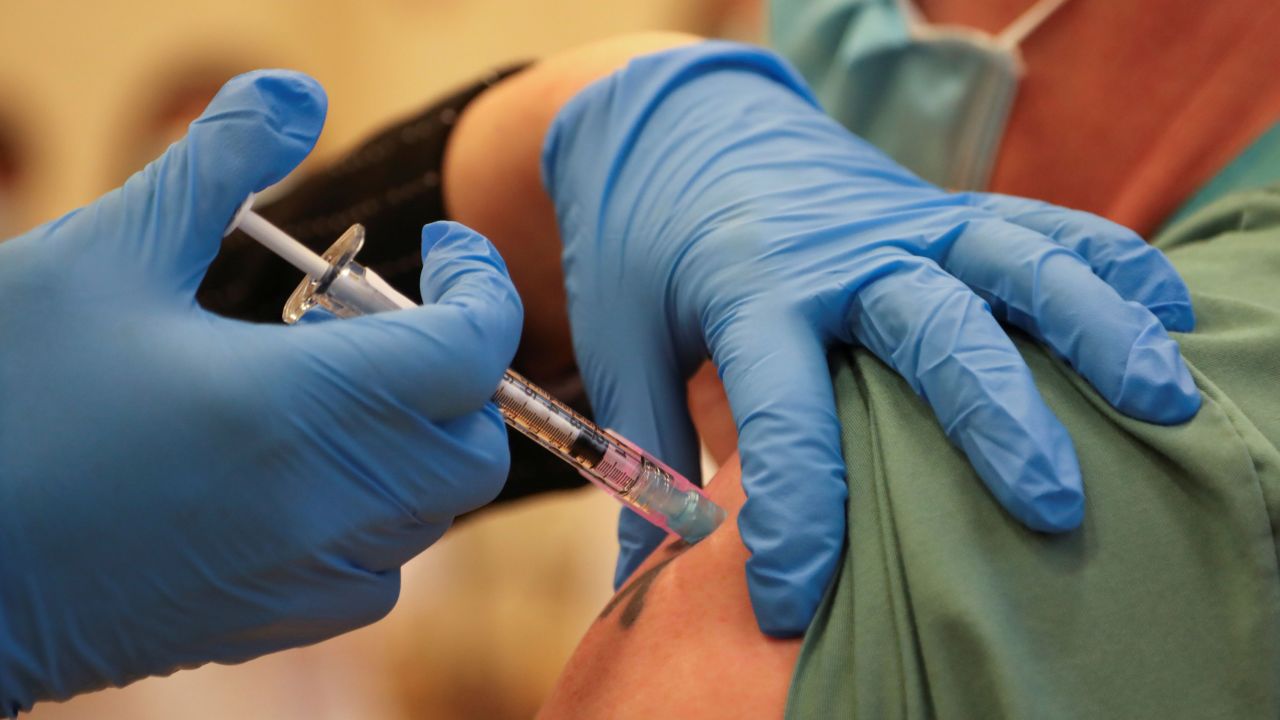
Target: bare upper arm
{"points": [[680, 639], [493, 183]]}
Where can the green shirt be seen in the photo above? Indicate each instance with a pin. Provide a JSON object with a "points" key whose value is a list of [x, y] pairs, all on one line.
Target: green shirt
{"points": [[1164, 604]]}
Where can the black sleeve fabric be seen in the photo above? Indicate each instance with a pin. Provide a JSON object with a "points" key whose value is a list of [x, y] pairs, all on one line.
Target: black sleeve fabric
{"points": [[391, 184]]}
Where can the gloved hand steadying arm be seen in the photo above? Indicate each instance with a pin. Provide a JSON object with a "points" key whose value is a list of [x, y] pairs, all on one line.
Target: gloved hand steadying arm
{"points": [[177, 487], [707, 204]]}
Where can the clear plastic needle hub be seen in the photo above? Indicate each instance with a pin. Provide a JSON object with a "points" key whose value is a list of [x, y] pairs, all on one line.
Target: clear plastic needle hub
{"points": [[640, 481]]}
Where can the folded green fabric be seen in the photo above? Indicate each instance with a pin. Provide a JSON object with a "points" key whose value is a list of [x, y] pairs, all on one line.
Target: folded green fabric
{"points": [[1165, 604]]}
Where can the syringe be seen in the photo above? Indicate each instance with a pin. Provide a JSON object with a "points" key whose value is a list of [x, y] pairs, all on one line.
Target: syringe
{"points": [[640, 481]]}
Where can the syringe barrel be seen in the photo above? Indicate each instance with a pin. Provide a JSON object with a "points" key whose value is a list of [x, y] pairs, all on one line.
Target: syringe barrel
{"points": [[661, 495], [667, 499], [354, 288]]}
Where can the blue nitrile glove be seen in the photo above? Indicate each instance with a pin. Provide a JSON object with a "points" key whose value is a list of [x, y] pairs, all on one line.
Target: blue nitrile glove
{"points": [[177, 487], [706, 203]]}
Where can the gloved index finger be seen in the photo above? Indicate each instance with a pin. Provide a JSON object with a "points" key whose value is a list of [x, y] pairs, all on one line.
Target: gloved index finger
{"points": [[776, 377], [637, 390]]}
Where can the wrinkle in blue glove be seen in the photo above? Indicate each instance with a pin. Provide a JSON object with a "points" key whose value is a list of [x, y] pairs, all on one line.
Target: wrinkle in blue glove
{"points": [[178, 487], [706, 204]]}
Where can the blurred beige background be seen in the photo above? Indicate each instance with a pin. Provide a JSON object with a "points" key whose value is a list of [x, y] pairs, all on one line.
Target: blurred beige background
{"points": [[89, 91]]}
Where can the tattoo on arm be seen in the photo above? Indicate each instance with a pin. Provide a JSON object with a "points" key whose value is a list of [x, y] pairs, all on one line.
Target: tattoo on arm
{"points": [[635, 592]]}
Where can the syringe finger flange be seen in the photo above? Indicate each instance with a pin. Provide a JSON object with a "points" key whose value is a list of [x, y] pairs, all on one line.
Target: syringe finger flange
{"points": [[338, 257]]}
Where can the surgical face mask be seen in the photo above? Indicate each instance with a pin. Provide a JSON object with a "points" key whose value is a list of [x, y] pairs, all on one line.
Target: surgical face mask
{"points": [[936, 98]]}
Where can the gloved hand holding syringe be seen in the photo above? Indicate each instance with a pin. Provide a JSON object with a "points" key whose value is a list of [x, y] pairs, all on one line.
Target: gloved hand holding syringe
{"points": [[657, 493]]}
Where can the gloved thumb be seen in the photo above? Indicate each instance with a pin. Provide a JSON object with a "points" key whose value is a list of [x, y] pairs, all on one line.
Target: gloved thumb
{"points": [[167, 221]]}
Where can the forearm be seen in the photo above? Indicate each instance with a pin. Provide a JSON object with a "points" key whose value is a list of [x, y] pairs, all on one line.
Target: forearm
{"points": [[493, 181]]}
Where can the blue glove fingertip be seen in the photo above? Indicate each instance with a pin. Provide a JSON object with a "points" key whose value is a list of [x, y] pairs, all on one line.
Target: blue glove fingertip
{"points": [[1044, 504], [286, 94], [1027, 461], [446, 239], [1157, 385], [1057, 510], [451, 250], [1145, 275], [1115, 253], [433, 233], [289, 105]]}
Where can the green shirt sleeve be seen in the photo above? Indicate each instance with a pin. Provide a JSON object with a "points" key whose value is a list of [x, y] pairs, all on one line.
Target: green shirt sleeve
{"points": [[1165, 603]]}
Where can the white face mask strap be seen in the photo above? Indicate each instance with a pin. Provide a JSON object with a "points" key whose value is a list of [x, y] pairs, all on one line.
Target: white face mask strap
{"points": [[911, 13], [1027, 23]]}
